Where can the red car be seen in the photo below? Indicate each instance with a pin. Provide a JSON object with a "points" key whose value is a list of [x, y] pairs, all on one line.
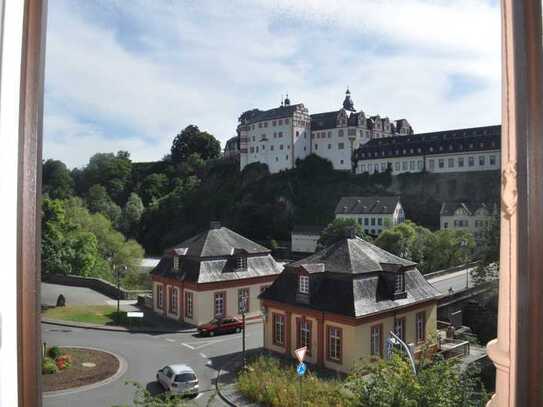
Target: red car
{"points": [[220, 326]]}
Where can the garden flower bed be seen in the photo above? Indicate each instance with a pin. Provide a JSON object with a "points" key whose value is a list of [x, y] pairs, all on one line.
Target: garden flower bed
{"points": [[66, 368]]}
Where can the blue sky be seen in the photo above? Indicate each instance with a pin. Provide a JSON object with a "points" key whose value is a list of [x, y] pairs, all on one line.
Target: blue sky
{"points": [[130, 74]]}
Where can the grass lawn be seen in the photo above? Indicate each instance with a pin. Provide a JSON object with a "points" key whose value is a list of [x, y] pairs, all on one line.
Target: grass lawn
{"points": [[92, 314]]}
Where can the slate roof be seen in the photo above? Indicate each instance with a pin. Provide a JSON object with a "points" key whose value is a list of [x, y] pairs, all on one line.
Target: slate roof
{"points": [[440, 142], [349, 278], [217, 242], [210, 256], [367, 205], [232, 144], [448, 208], [257, 115], [354, 256], [322, 121]]}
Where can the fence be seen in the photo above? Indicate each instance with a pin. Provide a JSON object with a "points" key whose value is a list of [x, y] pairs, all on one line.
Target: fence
{"points": [[97, 284]]}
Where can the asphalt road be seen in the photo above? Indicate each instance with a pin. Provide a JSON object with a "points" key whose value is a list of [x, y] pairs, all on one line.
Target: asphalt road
{"points": [[456, 281], [145, 354], [78, 296]]}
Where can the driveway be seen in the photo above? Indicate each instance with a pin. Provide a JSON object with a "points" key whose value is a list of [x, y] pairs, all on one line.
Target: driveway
{"points": [[145, 354]]}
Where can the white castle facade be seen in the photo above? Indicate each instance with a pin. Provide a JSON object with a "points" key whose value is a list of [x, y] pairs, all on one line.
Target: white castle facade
{"points": [[278, 137]]}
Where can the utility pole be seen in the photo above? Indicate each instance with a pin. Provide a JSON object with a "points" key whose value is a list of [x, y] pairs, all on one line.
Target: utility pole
{"points": [[118, 291]]}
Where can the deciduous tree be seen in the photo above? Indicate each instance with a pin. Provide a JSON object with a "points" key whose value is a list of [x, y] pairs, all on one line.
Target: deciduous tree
{"points": [[192, 140]]}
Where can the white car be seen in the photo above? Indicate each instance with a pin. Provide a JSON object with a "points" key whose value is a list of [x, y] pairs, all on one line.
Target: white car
{"points": [[178, 379]]}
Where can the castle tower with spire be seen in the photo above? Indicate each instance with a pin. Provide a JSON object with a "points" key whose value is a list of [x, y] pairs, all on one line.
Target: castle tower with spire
{"points": [[278, 137]]}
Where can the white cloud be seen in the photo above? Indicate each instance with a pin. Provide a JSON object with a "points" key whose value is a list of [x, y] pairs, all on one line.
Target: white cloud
{"points": [[169, 64]]}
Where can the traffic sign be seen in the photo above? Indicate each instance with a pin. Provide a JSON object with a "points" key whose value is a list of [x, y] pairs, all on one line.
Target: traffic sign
{"points": [[301, 369], [300, 353], [134, 314]]}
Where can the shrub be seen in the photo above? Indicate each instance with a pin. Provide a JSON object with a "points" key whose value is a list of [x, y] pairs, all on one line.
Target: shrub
{"points": [[270, 384], [48, 366], [54, 352], [63, 362]]}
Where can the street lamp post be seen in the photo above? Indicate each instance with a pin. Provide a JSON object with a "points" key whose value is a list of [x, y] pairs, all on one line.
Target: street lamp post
{"points": [[243, 311], [118, 275], [395, 339]]}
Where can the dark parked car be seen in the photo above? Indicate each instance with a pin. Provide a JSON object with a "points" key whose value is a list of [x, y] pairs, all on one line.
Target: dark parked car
{"points": [[220, 326]]}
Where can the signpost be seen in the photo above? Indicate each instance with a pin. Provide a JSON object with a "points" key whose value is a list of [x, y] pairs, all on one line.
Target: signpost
{"points": [[301, 368], [133, 314]]}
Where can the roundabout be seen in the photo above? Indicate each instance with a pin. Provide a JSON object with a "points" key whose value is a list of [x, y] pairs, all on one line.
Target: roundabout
{"points": [[89, 368]]}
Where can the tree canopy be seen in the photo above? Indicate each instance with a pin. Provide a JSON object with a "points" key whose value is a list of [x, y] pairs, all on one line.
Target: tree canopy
{"points": [[338, 229], [57, 180], [192, 140], [439, 383]]}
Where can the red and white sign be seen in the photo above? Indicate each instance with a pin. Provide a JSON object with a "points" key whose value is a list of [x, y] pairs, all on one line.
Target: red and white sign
{"points": [[300, 354]]}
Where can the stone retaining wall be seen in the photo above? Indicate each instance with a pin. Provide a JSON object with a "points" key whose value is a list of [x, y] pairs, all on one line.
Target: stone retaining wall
{"points": [[97, 284]]}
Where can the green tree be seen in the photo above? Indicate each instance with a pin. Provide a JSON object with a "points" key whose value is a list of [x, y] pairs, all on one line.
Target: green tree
{"points": [[153, 187], [110, 170], [144, 398], [54, 250], [132, 212], [450, 248], [192, 140], [99, 201], [57, 180], [439, 383], [337, 230], [83, 253]]}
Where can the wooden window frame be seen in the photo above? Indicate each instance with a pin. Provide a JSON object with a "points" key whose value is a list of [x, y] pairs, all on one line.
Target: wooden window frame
{"points": [[300, 285], [215, 295], [422, 338], [160, 296], [240, 290], [328, 344], [275, 316], [381, 345], [402, 320], [174, 310], [189, 310], [299, 342]]}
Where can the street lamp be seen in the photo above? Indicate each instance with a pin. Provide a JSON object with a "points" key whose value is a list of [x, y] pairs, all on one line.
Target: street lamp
{"points": [[394, 339], [243, 311]]}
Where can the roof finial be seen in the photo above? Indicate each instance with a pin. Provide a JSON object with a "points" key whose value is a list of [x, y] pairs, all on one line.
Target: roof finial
{"points": [[348, 92], [281, 100], [287, 101]]}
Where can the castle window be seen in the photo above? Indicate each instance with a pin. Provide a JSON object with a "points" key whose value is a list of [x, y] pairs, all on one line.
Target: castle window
{"points": [[441, 163], [329, 146], [404, 165], [176, 263], [471, 161], [271, 147], [451, 162], [340, 133], [397, 166], [280, 146], [340, 146], [492, 160], [286, 121], [482, 160], [274, 122], [461, 162], [280, 122]]}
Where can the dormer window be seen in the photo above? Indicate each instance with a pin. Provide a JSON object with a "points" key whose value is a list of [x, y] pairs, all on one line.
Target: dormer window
{"points": [[176, 263], [241, 262], [399, 283], [303, 284]]}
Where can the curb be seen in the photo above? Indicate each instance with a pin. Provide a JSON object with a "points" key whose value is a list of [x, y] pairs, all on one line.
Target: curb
{"points": [[219, 391], [123, 366], [60, 322], [115, 328]]}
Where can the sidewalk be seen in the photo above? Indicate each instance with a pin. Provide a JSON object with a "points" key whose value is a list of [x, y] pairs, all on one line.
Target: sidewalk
{"points": [[226, 381]]}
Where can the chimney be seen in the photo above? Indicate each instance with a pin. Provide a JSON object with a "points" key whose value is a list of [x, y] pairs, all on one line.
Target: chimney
{"points": [[214, 224]]}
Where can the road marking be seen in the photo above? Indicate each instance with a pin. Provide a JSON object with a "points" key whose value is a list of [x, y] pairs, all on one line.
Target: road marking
{"points": [[188, 346], [209, 363], [170, 339], [203, 344], [203, 355]]}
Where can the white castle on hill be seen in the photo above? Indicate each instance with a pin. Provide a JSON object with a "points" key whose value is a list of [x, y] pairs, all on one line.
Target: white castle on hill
{"points": [[279, 136]]}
